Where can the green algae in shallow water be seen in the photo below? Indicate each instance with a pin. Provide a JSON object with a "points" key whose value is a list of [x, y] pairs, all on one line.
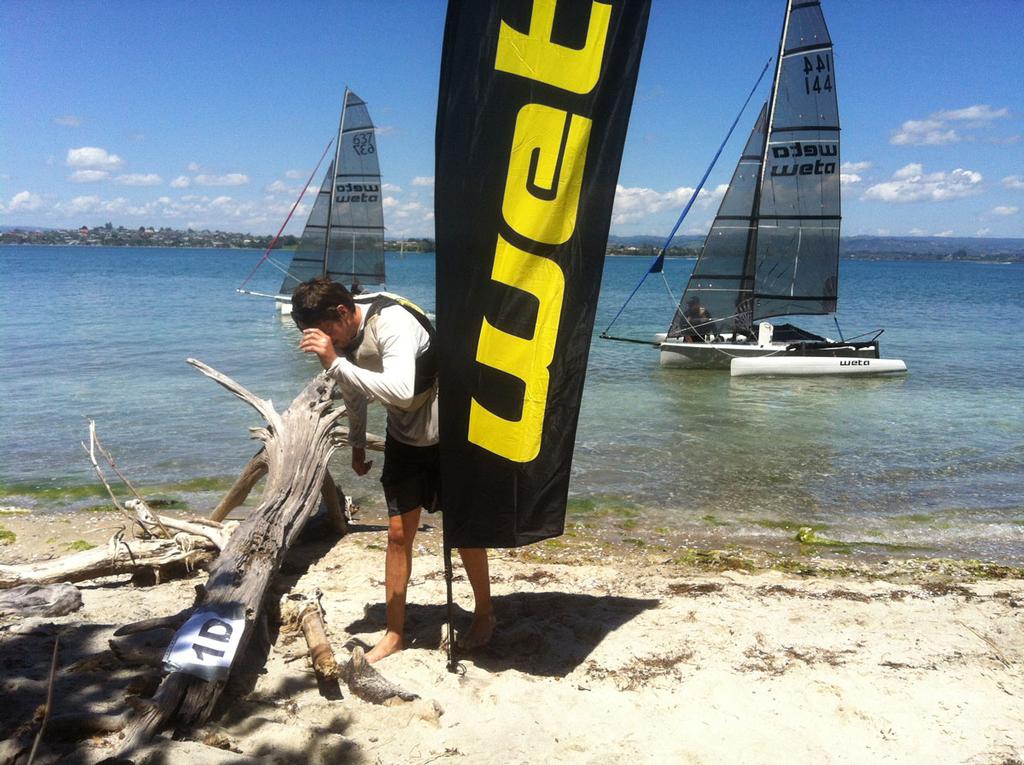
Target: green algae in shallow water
{"points": [[79, 545], [602, 505], [101, 508], [807, 536], [162, 503], [783, 525], [7, 536], [74, 493], [64, 494], [581, 506], [713, 520]]}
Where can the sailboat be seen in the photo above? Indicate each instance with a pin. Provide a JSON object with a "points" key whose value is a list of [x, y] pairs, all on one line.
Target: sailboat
{"points": [[344, 234], [773, 248]]}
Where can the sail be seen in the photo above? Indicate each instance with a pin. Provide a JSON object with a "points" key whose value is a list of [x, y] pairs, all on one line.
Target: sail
{"points": [[773, 248], [344, 236], [723, 276], [797, 261]]}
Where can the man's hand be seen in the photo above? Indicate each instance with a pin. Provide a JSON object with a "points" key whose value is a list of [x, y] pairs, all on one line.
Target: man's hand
{"points": [[316, 341], [359, 463]]}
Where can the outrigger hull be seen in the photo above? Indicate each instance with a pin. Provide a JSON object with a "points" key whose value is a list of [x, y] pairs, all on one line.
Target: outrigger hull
{"points": [[776, 366], [719, 355]]}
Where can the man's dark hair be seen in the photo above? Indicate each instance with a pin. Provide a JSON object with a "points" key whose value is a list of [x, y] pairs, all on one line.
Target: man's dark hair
{"points": [[317, 300]]}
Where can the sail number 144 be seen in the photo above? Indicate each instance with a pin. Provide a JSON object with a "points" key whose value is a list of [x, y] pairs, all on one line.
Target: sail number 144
{"points": [[818, 74]]}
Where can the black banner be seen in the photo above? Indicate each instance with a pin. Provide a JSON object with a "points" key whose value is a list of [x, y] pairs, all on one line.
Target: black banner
{"points": [[532, 113]]}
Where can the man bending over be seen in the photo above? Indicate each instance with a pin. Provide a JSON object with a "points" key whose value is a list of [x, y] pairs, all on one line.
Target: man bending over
{"points": [[380, 347]]}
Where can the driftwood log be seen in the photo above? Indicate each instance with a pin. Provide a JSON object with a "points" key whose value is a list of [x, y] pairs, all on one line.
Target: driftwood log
{"points": [[257, 468], [304, 613], [296, 447], [120, 556], [40, 599]]}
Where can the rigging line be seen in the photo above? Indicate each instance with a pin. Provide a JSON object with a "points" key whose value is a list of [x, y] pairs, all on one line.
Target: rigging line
{"points": [[279, 266], [658, 263], [278, 234]]}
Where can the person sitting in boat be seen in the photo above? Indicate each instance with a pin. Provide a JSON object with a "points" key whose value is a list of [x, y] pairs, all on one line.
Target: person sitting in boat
{"points": [[379, 347], [699, 319]]}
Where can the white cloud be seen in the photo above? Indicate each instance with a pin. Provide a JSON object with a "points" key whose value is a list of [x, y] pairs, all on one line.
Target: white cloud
{"points": [[89, 176], [294, 174], [882, 232], [93, 157], [139, 179], [193, 167], [633, 204], [423, 180], [977, 113], [1005, 210], [909, 171], [917, 232], [849, 172], [948, 232], [230, 179], [405, 211], [1015, 182], [84, 204], [277, 187], [912, 184], [983, 232], [390, 188], [924, 133], [68, 120], [935, 130], [24, 201], [181, 182]]}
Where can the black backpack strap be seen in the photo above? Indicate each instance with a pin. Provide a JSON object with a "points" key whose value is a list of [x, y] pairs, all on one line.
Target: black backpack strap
{"points": [[426, 362]]}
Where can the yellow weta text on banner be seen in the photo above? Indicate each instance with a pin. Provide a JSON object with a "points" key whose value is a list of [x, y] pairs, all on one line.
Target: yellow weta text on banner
{"points": [[528, 359], [535, 56]]}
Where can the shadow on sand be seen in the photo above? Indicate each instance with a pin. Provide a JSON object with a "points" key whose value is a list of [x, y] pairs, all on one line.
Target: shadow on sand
{"points": [[548, 634]]}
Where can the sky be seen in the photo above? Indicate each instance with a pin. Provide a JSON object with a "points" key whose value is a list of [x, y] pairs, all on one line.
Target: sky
{"points": [[213, 114]]}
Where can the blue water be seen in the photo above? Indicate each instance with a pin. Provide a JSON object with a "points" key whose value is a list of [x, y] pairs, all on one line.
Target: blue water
{"points": [[932, 463]]}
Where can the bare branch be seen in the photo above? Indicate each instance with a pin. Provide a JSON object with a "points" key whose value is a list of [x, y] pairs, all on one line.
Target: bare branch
{"points": [[263, 406]]}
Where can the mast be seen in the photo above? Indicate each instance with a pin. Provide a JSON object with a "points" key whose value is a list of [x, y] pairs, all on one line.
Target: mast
{"points": [[749, 260], [330, 201]]}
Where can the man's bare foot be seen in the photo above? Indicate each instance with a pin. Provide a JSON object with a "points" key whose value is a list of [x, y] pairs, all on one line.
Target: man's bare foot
{"points": [[389, 644], [479, 633]]}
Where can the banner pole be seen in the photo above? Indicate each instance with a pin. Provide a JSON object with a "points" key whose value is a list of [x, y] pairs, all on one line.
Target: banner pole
{"points": [[453, 665]]}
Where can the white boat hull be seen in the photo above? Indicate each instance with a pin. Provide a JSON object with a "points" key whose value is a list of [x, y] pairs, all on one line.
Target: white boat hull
{"points": [[814, 365], [699, 355]]}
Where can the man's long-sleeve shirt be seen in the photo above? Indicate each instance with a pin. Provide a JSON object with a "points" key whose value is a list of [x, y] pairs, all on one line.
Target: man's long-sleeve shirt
{"points": [[385, 371]]}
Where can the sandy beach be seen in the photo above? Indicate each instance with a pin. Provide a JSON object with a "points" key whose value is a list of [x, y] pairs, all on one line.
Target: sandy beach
{"points": [[603, 654]]}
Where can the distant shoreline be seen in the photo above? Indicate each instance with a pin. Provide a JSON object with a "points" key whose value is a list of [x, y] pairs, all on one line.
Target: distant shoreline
{"points": [[994, 259]]}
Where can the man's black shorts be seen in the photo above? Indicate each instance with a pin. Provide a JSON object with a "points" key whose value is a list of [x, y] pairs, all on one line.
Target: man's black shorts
{"points": [[411, 476]]}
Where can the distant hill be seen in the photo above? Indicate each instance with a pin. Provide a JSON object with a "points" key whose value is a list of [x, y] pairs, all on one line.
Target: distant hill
{"points": [[931, 248], [878, 247]]}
